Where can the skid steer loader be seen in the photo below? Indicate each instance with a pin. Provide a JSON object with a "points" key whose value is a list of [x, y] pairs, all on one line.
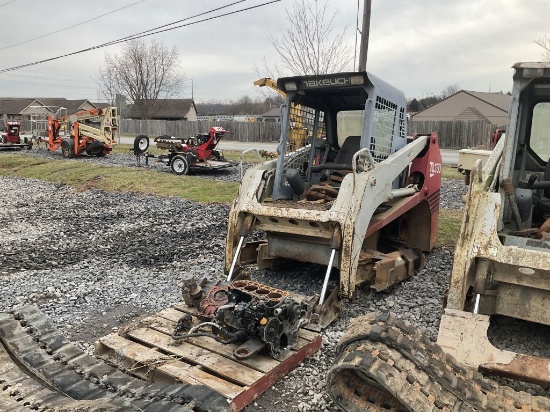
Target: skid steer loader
{"points": [[502, 259], [361, 198]]}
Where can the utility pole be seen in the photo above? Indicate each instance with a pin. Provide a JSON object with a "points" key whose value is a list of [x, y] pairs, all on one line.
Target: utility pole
{"points": [[365, 36]]}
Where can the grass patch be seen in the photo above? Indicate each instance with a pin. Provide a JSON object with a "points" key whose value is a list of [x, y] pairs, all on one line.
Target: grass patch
{"points": [[86, 176], [450, 172], [125, 149], [450, 221], [248, 157]]}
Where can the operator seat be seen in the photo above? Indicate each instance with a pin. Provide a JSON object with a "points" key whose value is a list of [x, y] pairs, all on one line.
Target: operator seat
{"points": [[336, 170], [327, 190], [344, 157]]}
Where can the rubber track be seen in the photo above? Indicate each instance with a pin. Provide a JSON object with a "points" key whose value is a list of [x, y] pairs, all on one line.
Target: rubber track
{"points": [[41, 370], [384, 364]]}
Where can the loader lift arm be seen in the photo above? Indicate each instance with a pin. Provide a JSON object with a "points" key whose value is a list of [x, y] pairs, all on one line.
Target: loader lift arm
{"points": [[266, 81], [298, 134]]}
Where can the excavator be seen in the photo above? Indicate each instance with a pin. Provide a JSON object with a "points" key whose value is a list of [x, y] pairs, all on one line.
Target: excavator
{"points": [[501, 269], [92, 132]]}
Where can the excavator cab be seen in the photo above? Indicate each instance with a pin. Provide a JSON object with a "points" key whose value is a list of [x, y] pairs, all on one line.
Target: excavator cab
{"points": [[345, 197]]}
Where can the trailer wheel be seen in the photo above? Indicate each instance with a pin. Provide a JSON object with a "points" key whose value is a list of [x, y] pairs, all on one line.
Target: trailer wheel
{"points": [[67, 148], [179, 165], [95, 149], [141, 143]]}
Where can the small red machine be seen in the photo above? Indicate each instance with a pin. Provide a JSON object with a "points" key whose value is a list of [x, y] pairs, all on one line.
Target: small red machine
{"points": [[197, 152], [11, 137]]}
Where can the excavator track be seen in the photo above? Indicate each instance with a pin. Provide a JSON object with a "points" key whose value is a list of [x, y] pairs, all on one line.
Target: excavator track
{"points": [[384, 364], [40, 370]]}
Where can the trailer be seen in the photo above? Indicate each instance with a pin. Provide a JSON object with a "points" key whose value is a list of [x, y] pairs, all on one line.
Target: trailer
{"points": [[184, 154]]}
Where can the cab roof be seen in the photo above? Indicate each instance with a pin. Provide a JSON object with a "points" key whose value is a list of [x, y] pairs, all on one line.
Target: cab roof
{"points": [[340, 91]]}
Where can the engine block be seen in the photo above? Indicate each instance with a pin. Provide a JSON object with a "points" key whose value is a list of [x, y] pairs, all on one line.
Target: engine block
{"points": [[262, 317]]}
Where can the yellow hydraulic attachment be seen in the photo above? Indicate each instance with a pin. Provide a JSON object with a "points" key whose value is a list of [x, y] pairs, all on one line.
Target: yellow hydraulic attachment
{"points": [[298, 133]]}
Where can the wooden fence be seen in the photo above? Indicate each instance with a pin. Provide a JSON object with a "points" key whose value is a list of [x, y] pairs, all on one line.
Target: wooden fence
{"points": [[239, 131], [458, 134]]}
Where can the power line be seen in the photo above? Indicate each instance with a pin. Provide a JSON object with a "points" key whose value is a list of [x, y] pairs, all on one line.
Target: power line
{"points": [[70, 27], [5, 4], [145, 34], [21, 77], [175, 22]]}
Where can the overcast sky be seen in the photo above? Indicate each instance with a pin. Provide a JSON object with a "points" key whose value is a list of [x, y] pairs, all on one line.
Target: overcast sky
{"points": [[420, 46]]}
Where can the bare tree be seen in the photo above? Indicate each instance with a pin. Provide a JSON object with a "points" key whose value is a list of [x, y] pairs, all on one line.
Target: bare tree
{"points": [[308, 45], [146, 73], [544, 42], [449, 90]]}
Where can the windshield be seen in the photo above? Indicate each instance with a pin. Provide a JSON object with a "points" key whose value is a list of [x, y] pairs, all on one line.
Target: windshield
{"points": [[349, 123], [540, 140]]}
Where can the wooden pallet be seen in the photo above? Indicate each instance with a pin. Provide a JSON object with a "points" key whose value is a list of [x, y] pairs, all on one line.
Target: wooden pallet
{"points": [[148, 351]]}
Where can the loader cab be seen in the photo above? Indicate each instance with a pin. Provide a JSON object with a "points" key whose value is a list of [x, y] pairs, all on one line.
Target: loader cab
{"points": [[326, 120], [526, 158]]}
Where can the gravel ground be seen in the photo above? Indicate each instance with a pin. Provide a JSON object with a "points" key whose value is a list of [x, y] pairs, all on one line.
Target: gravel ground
{"points": [[94, 260]]}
